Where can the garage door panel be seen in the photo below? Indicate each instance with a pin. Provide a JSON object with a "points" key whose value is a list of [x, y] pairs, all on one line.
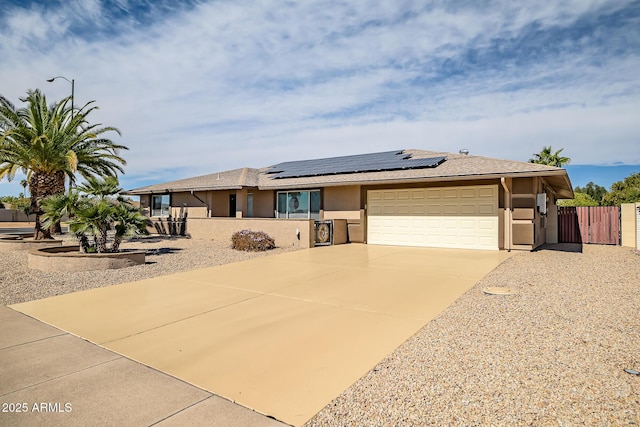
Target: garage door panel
{"points": [[486, 224], [418, 210], [468, 224], [435, 209], [487, 209], [403, 195], [487, 192], [375, 210], [468, 193], [450, 209], [456, 217], [418, 194], [468, 209], [434, 194]]}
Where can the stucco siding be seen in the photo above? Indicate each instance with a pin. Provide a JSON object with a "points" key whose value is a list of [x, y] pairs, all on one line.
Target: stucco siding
{"points": [[628, 224], [345, 203], [263, 204], [219, 203], [283, 231]]}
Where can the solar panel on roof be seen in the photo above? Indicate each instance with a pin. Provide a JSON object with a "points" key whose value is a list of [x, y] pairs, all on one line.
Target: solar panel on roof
{"points": [[372, 162]]}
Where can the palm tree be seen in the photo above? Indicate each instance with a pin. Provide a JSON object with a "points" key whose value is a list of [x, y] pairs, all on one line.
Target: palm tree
{"points": [[128, 221], [52, 143], [24, 184], [548, 157], [96, 213], [101, 188]]}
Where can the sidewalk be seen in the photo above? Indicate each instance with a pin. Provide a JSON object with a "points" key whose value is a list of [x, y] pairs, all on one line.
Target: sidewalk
{"points": [[52, 378]]}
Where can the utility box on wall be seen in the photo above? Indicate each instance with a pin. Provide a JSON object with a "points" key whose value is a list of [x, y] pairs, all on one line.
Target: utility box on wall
{"points": [[330, 232]]}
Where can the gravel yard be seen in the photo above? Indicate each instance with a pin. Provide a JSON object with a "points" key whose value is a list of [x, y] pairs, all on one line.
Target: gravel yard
{"points": [[554, 353], [165, 255]]}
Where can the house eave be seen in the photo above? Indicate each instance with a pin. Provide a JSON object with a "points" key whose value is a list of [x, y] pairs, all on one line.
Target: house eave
{"points": [[527, 174], [180, 190]]}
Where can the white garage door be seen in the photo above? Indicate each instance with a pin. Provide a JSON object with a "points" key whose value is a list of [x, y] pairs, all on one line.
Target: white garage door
{"points": [[443, 217]]}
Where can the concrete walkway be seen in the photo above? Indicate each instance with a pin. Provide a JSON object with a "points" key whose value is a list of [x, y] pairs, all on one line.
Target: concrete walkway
{"points": [[283, 335], [51, 378]]}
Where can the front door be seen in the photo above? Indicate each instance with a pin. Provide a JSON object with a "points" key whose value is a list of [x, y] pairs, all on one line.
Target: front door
{"points": [[232, 205]]}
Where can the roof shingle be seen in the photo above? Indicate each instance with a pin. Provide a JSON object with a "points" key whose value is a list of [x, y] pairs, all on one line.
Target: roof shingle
{"points": [[456, 167]]}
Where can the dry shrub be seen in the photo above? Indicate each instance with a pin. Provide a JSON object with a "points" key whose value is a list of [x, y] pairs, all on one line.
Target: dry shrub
{"points": [[254, 241]]}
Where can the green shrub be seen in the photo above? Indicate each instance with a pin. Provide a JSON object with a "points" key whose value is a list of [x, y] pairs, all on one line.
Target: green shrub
{"points": [[255, 241]]}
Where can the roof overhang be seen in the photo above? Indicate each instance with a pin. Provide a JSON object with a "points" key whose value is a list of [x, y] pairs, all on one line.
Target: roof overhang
{"points": [[142, 192], [557, 180]]}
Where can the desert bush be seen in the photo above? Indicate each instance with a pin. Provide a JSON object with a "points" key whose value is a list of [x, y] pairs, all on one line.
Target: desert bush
{"points": [[254, 241]]}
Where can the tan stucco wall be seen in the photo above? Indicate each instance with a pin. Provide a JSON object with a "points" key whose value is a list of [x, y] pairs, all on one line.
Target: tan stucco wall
{"points": [[196, 208], [628, 224], [345, 203], [522, 185], [527, 230], [342, 202], [188, 199], [219, 203], [283, 231], [263, 204]]}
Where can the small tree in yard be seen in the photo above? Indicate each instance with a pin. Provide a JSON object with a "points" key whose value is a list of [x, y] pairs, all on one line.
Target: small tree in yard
{"points": [[597, 192], [580, 199], [94, 213], [626, 191]]}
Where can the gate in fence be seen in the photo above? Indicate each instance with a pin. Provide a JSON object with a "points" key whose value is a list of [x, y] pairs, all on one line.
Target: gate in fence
{"points": [[592, 224]]}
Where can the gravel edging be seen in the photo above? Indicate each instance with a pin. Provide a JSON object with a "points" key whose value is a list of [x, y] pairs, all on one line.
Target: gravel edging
{"points": [[554, 353], [165, 255]]}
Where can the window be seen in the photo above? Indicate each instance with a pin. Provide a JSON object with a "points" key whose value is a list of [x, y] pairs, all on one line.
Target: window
{"points": [[298, 204], [160, 205]]}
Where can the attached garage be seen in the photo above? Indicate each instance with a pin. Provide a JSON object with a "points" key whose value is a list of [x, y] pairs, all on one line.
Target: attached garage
{"points": [[464, 217]]}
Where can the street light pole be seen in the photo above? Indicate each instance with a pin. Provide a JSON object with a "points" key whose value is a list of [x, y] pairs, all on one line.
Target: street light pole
{"points": [[73, 84]]}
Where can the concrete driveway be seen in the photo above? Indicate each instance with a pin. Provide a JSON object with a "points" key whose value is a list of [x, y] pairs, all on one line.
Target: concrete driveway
{"points": [[283, 335]]}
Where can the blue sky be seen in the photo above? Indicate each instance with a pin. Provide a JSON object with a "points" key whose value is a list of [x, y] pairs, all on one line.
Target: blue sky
{"points": [[204, 86]]}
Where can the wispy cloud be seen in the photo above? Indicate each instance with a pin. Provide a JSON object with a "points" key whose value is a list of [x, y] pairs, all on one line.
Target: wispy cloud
{"points": [[210, 85]]}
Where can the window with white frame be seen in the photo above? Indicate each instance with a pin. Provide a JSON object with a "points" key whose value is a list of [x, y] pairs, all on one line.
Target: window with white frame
{"points": [[160, 205], [298, 204]]}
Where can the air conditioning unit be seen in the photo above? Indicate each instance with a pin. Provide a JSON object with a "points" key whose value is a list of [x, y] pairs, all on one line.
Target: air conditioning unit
{"points": [[323, 232]]}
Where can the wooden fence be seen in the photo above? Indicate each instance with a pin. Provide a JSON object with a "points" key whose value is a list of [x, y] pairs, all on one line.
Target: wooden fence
{"points": [[593, 224]]}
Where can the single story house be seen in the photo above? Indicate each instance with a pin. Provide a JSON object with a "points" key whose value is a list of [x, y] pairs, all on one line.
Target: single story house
{"points": [[401, 197]]}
